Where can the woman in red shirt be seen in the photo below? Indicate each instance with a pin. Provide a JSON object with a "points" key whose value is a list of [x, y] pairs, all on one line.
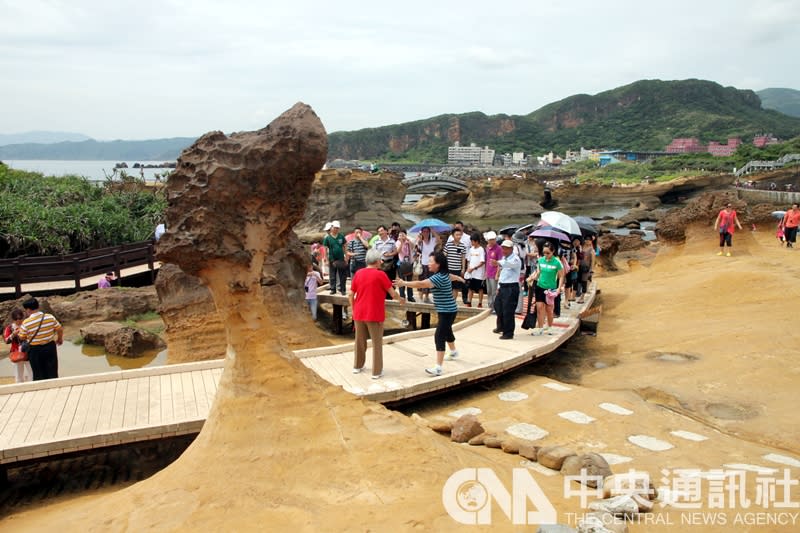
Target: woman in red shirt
{"points": [[367, 297], [726, 220], [790, 222]]}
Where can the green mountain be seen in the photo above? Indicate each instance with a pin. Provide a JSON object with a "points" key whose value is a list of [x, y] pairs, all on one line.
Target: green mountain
{"points": [[787, 101], [644, 115], [150, 150]]}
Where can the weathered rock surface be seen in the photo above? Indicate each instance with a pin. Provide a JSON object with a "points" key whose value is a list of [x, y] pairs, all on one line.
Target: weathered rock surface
{"points": [[602, 522], [119, 339], [502, 196], [465, 428], [434, 205], [616, 505], [592, 463], [529, 451], [132, 342], [354, 198], [609, 247], [94, 305], [553, 456], [701, 210]]}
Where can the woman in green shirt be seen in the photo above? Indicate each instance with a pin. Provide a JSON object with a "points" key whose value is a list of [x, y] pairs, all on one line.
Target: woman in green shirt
{"points": [[549, 280]]}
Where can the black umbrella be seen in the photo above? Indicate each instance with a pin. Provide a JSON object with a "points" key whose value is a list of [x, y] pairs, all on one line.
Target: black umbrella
{"points": [[587, 225]]}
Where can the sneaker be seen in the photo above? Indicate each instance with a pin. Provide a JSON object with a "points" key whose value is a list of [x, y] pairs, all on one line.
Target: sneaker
{"points": [[546, 330], [551, 331], [434, 370], [358, 370], [377, 376], [728, 254], [452, 355], [719, 253], [537, 332]]}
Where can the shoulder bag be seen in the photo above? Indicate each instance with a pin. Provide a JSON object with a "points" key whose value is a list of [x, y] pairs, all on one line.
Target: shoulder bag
{"points": [[25, 347]]}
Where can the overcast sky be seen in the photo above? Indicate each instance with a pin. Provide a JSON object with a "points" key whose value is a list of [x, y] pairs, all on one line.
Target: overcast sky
{"points": [[144, 69]]}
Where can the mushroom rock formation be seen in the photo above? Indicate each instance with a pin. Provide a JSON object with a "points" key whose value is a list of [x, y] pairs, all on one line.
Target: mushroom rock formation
{"points": [[281, 449]]}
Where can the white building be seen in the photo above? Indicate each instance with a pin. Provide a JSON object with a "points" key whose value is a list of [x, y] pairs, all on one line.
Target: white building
{"points": [[469, 155]]}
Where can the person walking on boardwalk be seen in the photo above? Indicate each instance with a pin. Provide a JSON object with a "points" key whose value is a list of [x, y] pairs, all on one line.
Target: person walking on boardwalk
{"points": [[476, 269], [456, 254], [313, 280], [440, 282], [726, 220], [790, 222], [548, 280], [44, 333], [508, 290], [335, 243], [22, 369], [367, 300]]}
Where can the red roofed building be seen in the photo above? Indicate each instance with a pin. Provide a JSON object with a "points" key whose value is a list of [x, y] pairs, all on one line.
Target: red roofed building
{"points": [[760, 141], [724, 150], [685, 146]]}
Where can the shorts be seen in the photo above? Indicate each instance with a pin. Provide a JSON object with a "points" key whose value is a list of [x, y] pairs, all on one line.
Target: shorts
{"points": [[475, 285], [538, 293], [457, 285]]}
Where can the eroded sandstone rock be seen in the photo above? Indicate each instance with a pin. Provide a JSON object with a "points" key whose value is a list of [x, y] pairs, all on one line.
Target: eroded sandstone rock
{"points": [[466, 427]]}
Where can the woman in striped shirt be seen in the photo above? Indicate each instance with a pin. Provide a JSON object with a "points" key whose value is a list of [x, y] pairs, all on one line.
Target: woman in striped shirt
{"points": [[43, 332], [441, 284]]}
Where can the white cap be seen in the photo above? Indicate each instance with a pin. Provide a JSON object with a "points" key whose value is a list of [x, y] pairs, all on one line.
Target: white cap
{"points": [[335, 224], [507, 244], [490, 235], [327, 226]]}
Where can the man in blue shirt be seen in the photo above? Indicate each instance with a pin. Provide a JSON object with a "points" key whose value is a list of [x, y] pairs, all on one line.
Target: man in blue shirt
{"points": [[507, 291]]}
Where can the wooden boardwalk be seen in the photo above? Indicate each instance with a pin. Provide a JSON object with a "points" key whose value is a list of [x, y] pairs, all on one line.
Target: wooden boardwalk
{"points": [[482, 355], [58, 416]]}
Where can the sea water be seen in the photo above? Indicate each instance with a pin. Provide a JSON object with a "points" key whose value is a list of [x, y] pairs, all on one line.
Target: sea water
{"points": [[91, 170]]}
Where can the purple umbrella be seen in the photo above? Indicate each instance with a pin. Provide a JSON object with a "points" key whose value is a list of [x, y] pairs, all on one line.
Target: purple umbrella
{"points": [[550, 233]]}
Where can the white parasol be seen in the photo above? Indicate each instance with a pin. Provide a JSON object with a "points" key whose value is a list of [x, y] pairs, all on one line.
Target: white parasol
{"points": [[561, 221]]}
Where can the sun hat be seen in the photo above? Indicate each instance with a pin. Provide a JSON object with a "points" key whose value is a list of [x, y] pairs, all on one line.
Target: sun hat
{"points": [[489, 235], [507, 244], [335, 224], [327, 226]]}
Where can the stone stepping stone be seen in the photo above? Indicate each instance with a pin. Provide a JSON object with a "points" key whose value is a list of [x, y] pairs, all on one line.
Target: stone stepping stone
{"points": [[458, 413], [512, 396], [527, 431], [557, 386], [615, 459], [782, 459], [577, 417], [650, 443], [616, 409], [751, 468], [688, 435]]}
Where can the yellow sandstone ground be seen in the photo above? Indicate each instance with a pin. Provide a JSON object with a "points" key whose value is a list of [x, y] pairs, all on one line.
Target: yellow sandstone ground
{"points": [[310, 458]]}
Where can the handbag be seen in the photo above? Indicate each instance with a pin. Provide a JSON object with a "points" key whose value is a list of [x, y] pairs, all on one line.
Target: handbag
{"points": [[418, 267], [18, 357], [529, 322], [25, 347]]}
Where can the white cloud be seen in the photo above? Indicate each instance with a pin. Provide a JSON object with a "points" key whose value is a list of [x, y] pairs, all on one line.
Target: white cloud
{"points": [[145, 69]]}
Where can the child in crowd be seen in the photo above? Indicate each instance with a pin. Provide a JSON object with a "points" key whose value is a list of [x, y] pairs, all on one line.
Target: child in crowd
{"points": [[313, 280]]}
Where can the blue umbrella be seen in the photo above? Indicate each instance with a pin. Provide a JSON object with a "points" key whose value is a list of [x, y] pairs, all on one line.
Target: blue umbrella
{"points": [[434, 223], [778, 214]]}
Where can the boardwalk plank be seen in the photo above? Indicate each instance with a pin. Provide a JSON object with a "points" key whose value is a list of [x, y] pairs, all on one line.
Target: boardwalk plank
{"points": [[106, 405], [56, 412], [118, 411], [200, 393], [167, 413], [143, 401], [82, 409], [154, 404], [188, 395], [25, 416], [131, 402], [8, 409], [178, 401], [64, 425], [95, 405], [210, 386], [43, 415]]}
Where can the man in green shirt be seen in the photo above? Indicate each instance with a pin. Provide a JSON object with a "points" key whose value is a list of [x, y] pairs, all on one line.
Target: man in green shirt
{"points": [[335, 243]]}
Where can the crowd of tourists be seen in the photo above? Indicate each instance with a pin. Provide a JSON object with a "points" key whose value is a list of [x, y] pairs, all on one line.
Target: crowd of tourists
{"points": [[446, 267]]}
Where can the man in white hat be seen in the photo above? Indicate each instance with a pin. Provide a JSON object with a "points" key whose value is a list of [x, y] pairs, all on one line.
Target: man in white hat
{"points": [[508, 291], [335, 243]]}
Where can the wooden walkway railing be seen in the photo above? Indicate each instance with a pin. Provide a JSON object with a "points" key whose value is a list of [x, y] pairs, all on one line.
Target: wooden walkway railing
{"points": [[75, 268]]}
